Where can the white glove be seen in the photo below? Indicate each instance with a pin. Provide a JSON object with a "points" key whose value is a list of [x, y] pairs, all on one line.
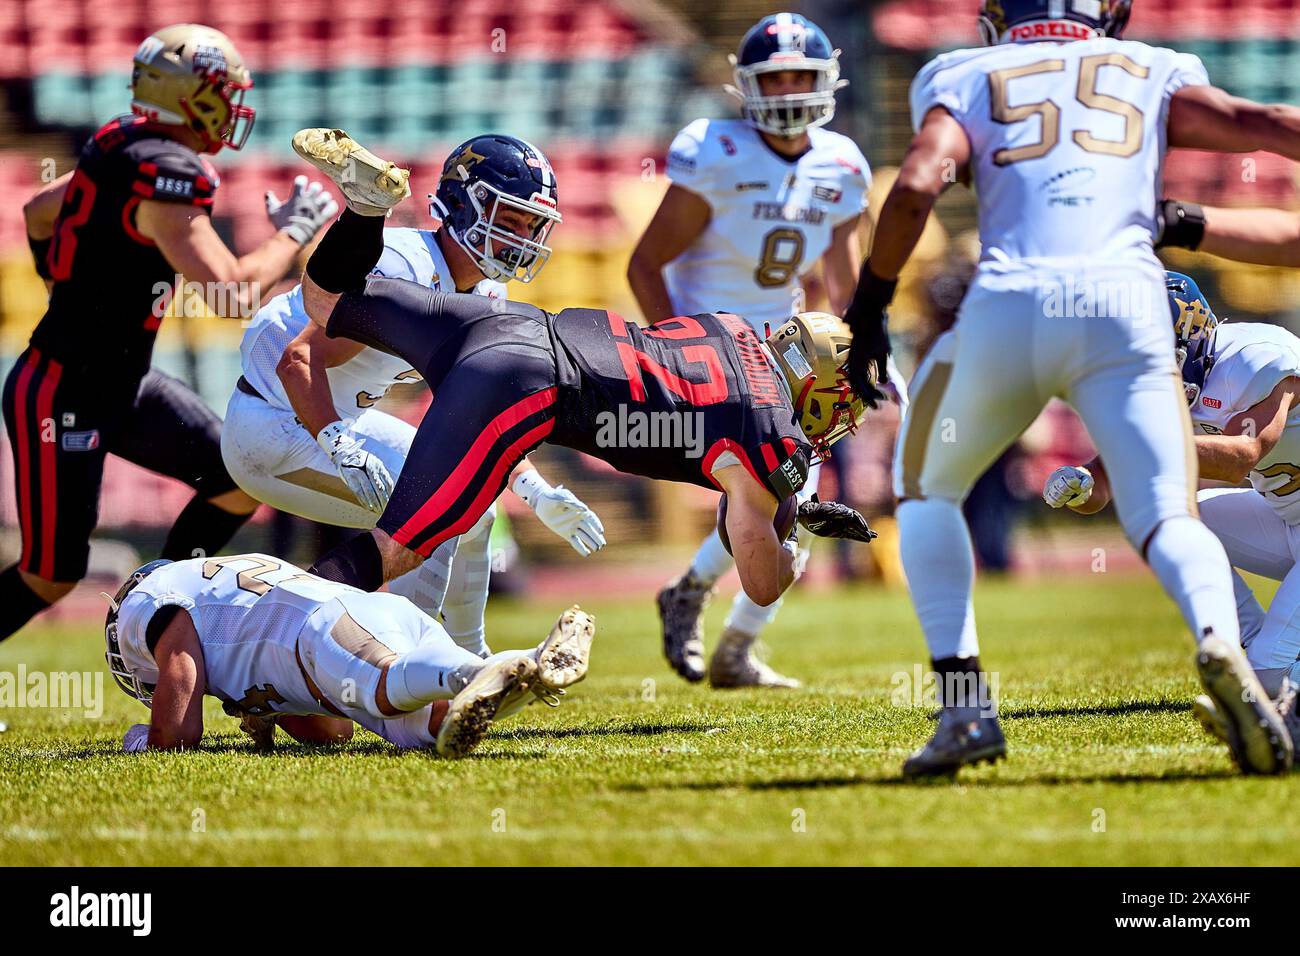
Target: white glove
{"points": [[136, 739], [306, 211], [562, 511], [365, 475], [1068, 485]]}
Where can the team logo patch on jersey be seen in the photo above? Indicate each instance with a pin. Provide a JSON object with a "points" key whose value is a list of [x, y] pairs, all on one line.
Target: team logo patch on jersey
{"points": [[752, 184], [171, 186], [728, 146], [827, 193], [1211, 402], [80, 441], [678, 161]]}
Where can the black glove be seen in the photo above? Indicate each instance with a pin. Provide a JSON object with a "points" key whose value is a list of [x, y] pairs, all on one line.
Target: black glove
{"points": [[870, 348], [831, 519], [1179, 224]]}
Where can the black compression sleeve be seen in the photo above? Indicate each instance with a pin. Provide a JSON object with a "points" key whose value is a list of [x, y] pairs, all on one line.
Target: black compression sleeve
{"points": [[349, 250]]}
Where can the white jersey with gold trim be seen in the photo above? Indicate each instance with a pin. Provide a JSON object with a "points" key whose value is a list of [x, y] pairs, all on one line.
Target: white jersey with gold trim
{"points": [[1250, 359], [772, 217], [360, 382], [1068, 142]]}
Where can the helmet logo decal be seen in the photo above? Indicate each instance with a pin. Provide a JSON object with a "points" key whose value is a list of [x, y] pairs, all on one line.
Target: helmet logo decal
{"points": [[209, 59], [462, 163]]}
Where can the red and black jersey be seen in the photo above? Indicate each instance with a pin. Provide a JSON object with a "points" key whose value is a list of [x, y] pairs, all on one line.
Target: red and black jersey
{"points": [[111, 284], [677, 399]]}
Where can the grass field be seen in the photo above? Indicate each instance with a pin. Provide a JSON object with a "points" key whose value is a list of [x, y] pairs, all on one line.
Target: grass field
{"points": [[1107, 765]]}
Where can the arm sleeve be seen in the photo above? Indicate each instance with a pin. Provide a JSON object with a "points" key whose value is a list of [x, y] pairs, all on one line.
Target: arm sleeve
{"points": [[857, 183], [688, 164], [935, 86], [168, 172], [1262, 368]]}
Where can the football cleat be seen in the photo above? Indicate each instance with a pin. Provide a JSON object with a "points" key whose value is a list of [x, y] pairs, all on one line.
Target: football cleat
{"points": [[1208, 716], [371, 185], [681, 611], [562, 658], [734, 664], [472, 711], [957, 741], [1256, 734]]}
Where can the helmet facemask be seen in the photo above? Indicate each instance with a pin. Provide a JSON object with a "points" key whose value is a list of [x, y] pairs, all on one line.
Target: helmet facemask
{"points": [[122, 673], [499, 252], [1195, 329], [788, 114]]}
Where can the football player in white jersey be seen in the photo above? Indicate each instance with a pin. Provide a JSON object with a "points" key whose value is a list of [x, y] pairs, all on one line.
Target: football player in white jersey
{"points": [[303, 433], [1061, 128], [280, 646], [753, 204], [1242, 381]]}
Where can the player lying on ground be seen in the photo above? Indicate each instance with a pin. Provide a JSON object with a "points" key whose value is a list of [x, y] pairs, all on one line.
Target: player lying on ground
{"points": [[753, 204], [1242, 381], [1061, 127], [507, 377], [302, 432], [279, 646], [132, 218]]}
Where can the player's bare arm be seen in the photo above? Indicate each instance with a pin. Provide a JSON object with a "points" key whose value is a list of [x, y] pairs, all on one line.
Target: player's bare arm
{"points": [[302, 372], [766, 568], [678, 222], [315, 729], [938, 156], [1266, 237], [42, 209], [185, 236], [1249, 437], [1206, 117], [840, 264], [177, 707]]}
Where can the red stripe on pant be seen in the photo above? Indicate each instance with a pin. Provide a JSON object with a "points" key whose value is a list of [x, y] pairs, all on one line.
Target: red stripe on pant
{"points": [[469, 466], [49, 467], [22, 441]]}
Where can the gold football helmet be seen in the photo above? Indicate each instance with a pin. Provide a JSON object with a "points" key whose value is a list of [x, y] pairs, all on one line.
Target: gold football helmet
{"points": [[191, 75], [810, 351]]}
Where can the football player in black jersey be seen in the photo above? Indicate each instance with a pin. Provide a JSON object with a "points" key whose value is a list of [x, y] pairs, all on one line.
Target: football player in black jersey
{"points": [[112, 238], [507, 377]]}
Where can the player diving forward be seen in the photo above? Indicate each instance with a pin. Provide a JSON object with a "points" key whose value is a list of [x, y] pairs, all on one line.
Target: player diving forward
{"points": [[1061, 127], [280, 646], [753, 203], [302, 431], [507, 377], [1242, 381]]}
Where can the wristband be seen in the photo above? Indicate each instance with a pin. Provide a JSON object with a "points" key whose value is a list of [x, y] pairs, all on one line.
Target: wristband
{"points": [[333, 437], [530, 485], [1182, 225]]}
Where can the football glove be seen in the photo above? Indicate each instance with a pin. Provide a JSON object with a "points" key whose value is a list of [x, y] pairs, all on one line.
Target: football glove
{"points": [[1068, 485], [562, 511], [307, 210], [832, 519], [365, 475], [870, 349], [136, 739]]}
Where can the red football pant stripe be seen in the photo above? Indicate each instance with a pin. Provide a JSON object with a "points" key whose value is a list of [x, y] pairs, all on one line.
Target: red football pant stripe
{"points": [[23, 439], [49, 467]]}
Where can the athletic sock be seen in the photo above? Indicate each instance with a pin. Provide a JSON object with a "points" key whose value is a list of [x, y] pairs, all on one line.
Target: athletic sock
{"points": [[1194, 571], [711, 561], [427, 673], [940, 565], [348, 251], [200, 530], [18, 603], [356, 562], [748, 617], [963, 687]]}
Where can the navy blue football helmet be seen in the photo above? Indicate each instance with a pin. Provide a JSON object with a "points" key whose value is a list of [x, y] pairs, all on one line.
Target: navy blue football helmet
{"points": [[1194, 326], [1016, 21], [117, 665], [482, 178], [786, 41]]}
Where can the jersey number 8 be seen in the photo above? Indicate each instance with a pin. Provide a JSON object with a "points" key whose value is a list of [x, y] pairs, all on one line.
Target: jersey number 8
{"points": [[1086, 93], [779, 262]]}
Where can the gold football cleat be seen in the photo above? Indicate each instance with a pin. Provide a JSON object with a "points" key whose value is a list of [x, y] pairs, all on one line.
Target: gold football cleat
{"points": [[371, 186]]}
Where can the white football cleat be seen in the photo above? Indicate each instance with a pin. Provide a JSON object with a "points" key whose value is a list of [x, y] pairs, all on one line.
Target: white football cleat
{"points": [[472, 711], [1256, 734], [563, 658], [371, 186]]}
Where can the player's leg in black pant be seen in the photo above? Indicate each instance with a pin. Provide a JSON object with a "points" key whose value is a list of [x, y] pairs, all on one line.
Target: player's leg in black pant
{"points": [[493, 407], [174, 433], [54, 433]]}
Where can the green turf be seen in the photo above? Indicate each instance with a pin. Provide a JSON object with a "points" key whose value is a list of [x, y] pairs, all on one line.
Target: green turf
{"points": [[1107, 765]]}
